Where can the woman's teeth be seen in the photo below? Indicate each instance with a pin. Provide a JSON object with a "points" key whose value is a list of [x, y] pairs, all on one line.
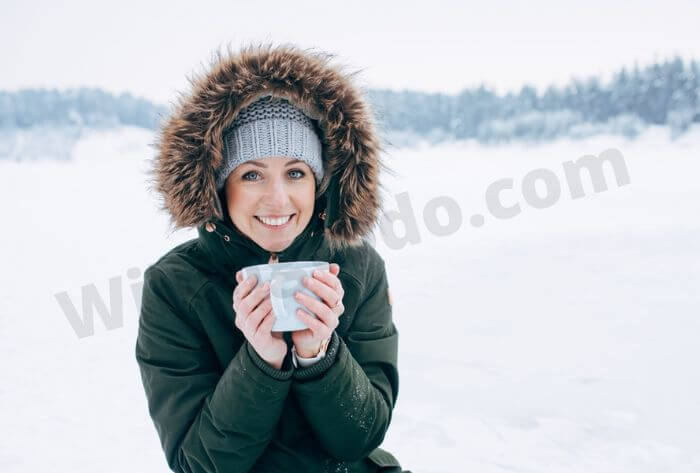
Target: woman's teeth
{"points": [[275, 221]]}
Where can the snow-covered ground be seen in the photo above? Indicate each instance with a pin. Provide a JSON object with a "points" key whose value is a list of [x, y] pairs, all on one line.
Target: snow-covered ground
{"points": [[564, 339]]}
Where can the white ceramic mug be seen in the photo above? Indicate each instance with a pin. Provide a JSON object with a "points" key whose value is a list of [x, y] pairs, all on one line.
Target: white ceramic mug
{"points": [[286, 279]]}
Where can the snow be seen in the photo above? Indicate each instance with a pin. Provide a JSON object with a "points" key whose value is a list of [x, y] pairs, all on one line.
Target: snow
{"points": [[563, 339]]}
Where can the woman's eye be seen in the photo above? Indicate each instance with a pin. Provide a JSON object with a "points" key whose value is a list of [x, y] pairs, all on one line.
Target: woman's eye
{"points": [[296, 174], [301, 173], [248, 174]]}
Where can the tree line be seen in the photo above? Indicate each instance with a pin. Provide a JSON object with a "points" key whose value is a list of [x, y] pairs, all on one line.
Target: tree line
{"points": [[662, 93]]}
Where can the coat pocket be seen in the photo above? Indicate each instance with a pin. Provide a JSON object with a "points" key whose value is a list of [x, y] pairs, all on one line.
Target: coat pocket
{"points": [[385, 460]]}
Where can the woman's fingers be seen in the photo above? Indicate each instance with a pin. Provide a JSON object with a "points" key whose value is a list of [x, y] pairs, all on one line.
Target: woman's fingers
{"points": [[315, 306], [326, 286], [251, 301], [253, 320], [243, 288], [322, 290], [311, 322], [328, 278], [265, 328], [246, 307], [321, 310], [325, 315]]}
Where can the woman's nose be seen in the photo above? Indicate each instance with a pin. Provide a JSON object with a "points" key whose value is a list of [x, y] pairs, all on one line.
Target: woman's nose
{"points": [[277, 194]]}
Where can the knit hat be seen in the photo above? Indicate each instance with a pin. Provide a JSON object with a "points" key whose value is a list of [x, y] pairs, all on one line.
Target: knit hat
{"points": [[270, 127]]}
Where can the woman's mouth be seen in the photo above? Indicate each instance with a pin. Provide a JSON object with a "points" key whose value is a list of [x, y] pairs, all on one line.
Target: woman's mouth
{"points": [[275, 223]]}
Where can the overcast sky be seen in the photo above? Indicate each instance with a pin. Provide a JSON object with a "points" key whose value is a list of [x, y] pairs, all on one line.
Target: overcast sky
{"points": [[149, 48]]}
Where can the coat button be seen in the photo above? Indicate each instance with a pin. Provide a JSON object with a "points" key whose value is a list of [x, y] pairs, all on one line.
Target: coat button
{"points": [[227, 238], [210, 227]]}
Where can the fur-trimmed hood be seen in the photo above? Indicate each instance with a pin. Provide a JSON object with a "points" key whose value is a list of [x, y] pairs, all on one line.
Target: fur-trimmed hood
{"points": [[189, 143]]}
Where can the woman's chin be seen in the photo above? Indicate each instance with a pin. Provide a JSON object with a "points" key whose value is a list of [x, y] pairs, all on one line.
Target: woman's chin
{"points": [[273, 244], [273, 247]]}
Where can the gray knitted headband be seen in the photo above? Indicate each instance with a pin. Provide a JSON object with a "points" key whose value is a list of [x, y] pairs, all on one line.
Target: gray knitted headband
{"points": [[270, 127]]}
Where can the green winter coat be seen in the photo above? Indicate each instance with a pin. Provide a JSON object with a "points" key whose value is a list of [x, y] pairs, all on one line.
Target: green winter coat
{"points": [[216, 405]]}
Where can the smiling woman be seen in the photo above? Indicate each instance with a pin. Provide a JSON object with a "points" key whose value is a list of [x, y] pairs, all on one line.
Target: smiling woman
{"points": [[271, 203], [274, 158]]}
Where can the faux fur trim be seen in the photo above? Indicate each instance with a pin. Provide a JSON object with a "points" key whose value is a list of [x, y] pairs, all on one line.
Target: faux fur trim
{"points": [[189, 145]]}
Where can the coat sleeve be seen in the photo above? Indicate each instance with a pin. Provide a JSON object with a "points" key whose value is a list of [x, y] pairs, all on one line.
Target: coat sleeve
{"points": [[349, 395], [207, 421]]}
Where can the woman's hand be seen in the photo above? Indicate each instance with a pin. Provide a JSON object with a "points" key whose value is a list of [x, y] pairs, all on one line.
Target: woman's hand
{"points": [[255, 318], [327, 286]]}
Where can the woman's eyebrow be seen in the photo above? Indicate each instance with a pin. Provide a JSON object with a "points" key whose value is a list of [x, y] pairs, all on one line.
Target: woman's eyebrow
{"points": [[261, 165]]}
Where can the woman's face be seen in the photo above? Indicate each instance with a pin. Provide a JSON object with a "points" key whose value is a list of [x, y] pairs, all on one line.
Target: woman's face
{"points": [[271, 188]]}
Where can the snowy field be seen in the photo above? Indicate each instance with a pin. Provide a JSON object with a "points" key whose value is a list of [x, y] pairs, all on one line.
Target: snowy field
{"points": [[563, 339]]}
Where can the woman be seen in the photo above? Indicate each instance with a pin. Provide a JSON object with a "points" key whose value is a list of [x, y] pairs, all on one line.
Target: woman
{"points": [[267, 134]]}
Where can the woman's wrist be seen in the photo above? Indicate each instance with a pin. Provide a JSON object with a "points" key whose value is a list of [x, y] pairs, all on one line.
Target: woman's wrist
{"points": [[308, 353], [303, 353], [276, 364]]}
